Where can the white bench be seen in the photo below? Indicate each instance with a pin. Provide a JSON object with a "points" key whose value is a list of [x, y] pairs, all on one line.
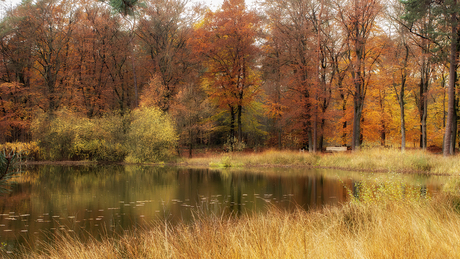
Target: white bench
{"points": [[336, 149]]}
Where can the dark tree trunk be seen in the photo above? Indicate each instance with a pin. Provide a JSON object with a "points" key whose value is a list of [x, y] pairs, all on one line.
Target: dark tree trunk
{"points": [[232, 127], [451, 89]]}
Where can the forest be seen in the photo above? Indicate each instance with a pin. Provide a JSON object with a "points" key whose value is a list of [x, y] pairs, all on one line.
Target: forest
{"points": [[85, 77]]}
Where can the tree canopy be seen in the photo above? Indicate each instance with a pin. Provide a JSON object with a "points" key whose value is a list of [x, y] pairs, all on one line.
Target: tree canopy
{"points": [[286, 74]]}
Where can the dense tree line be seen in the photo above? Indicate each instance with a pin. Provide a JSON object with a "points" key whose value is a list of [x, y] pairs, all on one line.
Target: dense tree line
{"points": [[288, 74]]}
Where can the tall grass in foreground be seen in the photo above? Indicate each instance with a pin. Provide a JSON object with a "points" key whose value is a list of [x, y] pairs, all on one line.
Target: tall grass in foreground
{"points": [[356, 230], [389, 160]]}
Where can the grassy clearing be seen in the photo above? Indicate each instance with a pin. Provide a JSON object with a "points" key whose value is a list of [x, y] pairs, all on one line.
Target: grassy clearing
{"points": [[389, 160], [364, 228]]}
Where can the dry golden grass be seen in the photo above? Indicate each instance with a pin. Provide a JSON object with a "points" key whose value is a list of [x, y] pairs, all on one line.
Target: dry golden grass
{"points": [[267, 158], [376, 159], [401, 228]]}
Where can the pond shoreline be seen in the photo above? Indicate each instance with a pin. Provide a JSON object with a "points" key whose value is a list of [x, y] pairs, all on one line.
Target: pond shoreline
{"points": [[213, 162]]}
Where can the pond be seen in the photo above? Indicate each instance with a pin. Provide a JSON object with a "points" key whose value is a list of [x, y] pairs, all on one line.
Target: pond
{"points": [[103, 200]]}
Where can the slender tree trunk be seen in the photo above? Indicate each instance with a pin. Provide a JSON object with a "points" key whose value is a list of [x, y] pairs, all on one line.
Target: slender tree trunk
{"points": [[382, 118], [357, 113], [136, 95], [400, 97], [315, 134], [424, 126], [318, 78], [278, 102], [383, 135], [279, 140], [232, 127], [454, 133], [423, 105], [403, 125], [321, 136], [344, 125], [240, 128], [451, 89], [190, 147], [456, 117]]}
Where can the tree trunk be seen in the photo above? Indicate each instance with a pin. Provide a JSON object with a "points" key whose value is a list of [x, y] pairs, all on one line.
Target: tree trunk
{"points": [[240, 128], [190, 147], [454, 134], [279, 139], [423, 105], [315, 134], [451, 88], [232, 127], [403, 122], [321, 136], [136, 94], [455, 124], [344, 125], [357, 113]]}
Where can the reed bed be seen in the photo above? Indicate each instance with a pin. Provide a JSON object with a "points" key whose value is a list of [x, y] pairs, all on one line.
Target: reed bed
{"points": [[376, 159], [400, 229]]}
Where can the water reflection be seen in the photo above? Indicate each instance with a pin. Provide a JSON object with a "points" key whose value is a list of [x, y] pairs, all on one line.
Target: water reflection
{"points": [[94, 200]]}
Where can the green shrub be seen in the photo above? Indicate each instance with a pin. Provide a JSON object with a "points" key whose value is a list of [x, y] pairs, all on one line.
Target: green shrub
{"points": [[151, 136], [103, 139], [145, 135], [68, 135], [54, 134], [28, 151]]}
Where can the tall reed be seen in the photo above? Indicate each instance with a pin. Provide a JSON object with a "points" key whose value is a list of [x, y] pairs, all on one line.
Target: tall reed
{"points": [[401, 228]]}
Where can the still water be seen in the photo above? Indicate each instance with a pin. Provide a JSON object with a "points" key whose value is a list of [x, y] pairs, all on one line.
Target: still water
{"points": [[100, 200]]}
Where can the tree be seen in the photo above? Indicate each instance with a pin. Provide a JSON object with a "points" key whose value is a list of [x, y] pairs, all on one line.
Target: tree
{"points": [[106, 67], [15, 76], [128, 8], [424, 35], [399, 58], [50, 27], [444, 14], [152, 137], [164, 32], [226, 42], [357, 19], [296, 50]]}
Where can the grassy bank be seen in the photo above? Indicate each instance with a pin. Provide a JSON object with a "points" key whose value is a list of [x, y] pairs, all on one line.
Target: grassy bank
{"points": [[397, 229], [387, 160]]}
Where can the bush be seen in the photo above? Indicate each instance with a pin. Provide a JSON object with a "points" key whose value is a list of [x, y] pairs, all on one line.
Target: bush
{"points": [[151, 137], [28, 151], [103, 139], [145, 135], [68, 135]]}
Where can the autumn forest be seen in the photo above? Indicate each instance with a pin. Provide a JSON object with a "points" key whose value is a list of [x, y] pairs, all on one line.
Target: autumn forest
{"points": [[289, 74]]}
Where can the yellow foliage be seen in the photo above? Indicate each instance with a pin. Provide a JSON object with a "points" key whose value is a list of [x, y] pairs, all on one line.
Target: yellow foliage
{"points": [[27, 151], [152, 137]]}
